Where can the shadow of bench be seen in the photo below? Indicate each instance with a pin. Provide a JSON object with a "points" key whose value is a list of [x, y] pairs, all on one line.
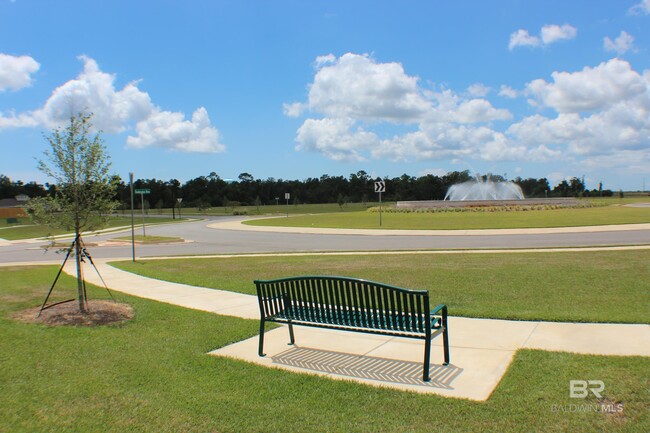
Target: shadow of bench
{"points": [[367, 367]]}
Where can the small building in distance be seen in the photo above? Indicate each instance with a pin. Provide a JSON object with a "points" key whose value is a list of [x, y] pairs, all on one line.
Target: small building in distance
{"points": [[14, 207]]}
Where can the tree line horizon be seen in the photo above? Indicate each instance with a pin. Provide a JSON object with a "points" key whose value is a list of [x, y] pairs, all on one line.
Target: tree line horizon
{"points": [[213, 191]]}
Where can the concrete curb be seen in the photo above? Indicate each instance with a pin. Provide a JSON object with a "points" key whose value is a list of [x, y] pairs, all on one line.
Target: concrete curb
{"points": [[238, 225]]}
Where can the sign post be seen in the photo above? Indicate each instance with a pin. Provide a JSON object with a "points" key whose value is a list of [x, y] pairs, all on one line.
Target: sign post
{"points": [[132, 221], [142, 192], [287, 196], [380, 186], [179, 200]]}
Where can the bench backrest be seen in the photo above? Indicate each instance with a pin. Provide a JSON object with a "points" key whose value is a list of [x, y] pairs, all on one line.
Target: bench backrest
{"points": [[324, 298]]}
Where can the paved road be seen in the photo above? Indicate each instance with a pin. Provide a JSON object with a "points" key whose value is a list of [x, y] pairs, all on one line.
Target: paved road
{"points": [[205, 240]]}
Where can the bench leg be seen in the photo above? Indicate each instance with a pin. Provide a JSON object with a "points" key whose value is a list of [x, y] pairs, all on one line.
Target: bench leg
{"points": [[291, 337], [260, 351], [445, 335], [445, 340], [427, 360]]}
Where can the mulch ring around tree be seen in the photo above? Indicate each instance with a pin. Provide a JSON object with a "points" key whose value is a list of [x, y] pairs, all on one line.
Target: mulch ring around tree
{"points": [[98, 312]]}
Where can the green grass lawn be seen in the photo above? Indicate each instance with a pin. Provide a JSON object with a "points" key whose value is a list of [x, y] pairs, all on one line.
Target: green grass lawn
{"points": [[140, 239], [608, 286], [466, 220], [300, 209], [280, 209], [21, 221], [27, 230], [153, 375]]}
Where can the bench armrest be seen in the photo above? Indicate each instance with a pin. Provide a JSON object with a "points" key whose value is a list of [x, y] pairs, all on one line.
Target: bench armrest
{"points": [[438, 308]]}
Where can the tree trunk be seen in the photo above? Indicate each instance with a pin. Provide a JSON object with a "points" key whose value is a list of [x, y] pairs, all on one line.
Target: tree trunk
{"points": [[81, 294]]}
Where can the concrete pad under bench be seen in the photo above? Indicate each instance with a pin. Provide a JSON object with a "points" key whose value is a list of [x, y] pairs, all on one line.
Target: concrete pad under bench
{"points": [[390, 362]]}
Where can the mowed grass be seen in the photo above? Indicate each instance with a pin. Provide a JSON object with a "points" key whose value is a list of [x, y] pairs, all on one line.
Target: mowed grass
{"points": [[466, 220], [140, 239], [269, 209], [152, 374], [607, 286], [27, 230]]}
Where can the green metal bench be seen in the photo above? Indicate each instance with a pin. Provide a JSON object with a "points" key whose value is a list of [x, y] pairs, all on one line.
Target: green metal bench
{"points": [[352, 305]]}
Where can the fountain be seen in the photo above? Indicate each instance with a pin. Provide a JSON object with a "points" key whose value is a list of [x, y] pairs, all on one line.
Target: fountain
{"points": [[486, 193], [479, 189]]}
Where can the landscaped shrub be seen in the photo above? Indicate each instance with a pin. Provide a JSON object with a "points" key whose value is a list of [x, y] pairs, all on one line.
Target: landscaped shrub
{"points": [[488, 208]]}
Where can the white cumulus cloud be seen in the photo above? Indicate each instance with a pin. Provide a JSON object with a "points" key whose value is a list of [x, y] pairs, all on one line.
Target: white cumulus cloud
{"points": [[16, 71], [521, 38], [642, 8], [478, 90], [354, 99], [622, 44], [170, 130], [120, 110], [324, 60], [93, 90], [553, 33], [590, 89], [335, 138], [358, 109], [601, 111], [508, 92], [549, 34], [480, 110], [357, 86], [293, 110]]}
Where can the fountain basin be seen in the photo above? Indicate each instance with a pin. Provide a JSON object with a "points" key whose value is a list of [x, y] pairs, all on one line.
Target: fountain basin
{"points": [[529, 202]]}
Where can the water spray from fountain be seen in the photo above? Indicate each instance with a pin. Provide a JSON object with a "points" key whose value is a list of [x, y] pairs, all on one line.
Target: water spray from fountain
{"points": [[487, 189]]}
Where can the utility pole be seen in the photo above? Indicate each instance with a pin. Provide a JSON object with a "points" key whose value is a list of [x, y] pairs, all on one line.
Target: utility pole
{"points": [[132, 220]]}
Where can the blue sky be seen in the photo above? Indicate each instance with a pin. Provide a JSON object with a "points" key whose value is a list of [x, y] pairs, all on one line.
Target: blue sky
{"points": [[297, 89]]}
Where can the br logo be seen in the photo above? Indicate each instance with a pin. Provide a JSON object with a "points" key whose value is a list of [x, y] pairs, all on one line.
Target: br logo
{"points": [[582, 388]]}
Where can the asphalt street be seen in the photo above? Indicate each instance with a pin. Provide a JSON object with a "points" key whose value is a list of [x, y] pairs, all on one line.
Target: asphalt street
{"points": [[201, 239]]}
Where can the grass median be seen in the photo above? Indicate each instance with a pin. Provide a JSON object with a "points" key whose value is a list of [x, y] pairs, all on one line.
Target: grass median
{"points": [[606, 286], [152, 374], [466, 220], [27, 230]]}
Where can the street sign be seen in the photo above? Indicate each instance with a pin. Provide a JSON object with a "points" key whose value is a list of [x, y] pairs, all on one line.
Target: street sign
{"points": [[287, 196], [143, 191]]}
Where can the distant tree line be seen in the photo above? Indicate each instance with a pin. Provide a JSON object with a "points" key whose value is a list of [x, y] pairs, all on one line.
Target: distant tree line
{"points": [[211, 191]]}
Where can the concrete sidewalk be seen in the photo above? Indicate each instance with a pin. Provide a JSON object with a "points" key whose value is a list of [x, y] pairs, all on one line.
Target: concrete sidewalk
{"points": [[481, 349]]}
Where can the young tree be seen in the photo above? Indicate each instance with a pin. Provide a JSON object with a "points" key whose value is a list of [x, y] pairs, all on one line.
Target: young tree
{"points": [[79, 164]]}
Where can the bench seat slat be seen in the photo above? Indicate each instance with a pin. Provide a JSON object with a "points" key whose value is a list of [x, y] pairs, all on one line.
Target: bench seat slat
{"points": [[355, 319]]}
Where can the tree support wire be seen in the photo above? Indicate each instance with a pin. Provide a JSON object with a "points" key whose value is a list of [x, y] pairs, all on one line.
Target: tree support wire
{"points": [[83, 255]]}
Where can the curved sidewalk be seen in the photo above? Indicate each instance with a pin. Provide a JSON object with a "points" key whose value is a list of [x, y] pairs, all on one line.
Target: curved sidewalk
{"points": [[481, 349]]}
